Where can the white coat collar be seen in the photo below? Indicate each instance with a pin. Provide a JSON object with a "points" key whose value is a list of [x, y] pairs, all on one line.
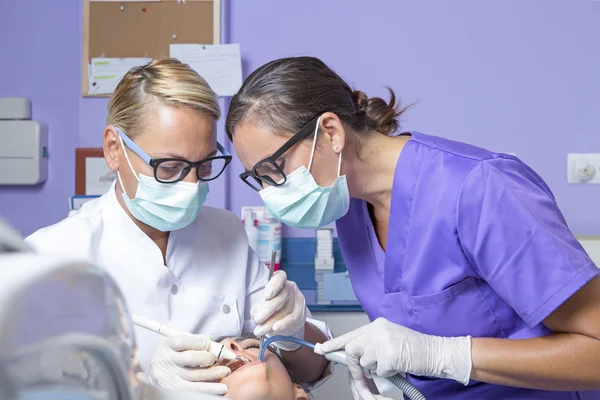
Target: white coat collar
{"points": [[129, 227]]}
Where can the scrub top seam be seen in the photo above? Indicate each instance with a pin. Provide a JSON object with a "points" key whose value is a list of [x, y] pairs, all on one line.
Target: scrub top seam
{"points": [[370, 232], [473, 158], [559, 291], [471, 262], [539, 184], [408, 224], [491, 309], [410, 196], [538, 180]]}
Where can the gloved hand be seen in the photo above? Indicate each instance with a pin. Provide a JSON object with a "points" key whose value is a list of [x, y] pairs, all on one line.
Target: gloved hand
{"points": [[283, 312], [183, 362], [360, 389], [385, 348]]}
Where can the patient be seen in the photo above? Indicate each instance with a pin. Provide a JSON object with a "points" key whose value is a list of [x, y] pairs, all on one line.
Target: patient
{"points": [[256, 380]]}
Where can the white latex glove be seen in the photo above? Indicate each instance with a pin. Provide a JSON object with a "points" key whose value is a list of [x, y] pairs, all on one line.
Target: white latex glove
{"points": [[283, 312], [360, 388], [183, 362], [385, 348]]}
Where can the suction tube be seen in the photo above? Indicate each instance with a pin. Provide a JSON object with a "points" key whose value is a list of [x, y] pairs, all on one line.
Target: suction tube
{"points": [[339, 357], [281, 338], [407, 388]]}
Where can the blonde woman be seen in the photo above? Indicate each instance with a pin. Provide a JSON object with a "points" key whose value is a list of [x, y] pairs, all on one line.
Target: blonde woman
{"points": [[176, 261]]}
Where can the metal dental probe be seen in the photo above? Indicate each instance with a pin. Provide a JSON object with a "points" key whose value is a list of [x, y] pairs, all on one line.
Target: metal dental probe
{"points": [[271, 271], [216, 349]]}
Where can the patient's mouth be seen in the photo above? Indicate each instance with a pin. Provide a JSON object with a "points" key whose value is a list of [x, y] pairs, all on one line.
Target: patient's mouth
{"points": [[247, 365], [234, 365]]}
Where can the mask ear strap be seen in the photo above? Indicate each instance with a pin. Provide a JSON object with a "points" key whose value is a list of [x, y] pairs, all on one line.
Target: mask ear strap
{"points": [[340, 165], [312, 153], [130, 166], [122, 186], [127, 158]]}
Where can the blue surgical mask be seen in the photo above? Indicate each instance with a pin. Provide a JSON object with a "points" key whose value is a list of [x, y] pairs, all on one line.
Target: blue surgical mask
{"points": [[301, 203], [164, 206]]}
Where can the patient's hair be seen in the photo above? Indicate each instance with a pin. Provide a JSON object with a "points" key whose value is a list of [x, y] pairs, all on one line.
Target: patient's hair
{"points": [[162, 81]]}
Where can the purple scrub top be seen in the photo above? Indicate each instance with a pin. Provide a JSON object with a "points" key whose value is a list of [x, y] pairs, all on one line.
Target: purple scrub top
{"points": [[476, 246]]}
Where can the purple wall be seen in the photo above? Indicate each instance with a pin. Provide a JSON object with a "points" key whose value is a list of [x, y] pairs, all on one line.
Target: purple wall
{"points": [[514, 76], [39, 59], [511, 75]]}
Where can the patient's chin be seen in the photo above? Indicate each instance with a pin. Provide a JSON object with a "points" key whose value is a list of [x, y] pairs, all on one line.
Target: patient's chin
{"points": [[248, 384], [263, 381], [260, 382], [301, 393]]}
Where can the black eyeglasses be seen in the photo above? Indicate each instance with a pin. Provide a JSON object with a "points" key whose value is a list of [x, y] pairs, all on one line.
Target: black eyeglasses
{"points": [[268, 171], [173, 170]]}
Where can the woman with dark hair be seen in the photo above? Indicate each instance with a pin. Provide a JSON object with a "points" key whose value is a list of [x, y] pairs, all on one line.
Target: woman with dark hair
{"points": [[460, 256]]}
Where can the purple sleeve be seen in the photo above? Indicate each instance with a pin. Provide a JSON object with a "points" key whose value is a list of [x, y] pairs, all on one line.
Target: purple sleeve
{"points": [[516, 238]]}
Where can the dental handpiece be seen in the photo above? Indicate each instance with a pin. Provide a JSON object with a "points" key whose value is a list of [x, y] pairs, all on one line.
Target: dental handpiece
{"points": [[339, 357], [216, 349]]}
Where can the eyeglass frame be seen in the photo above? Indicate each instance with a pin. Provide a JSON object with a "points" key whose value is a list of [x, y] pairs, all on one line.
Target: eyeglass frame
{"points": [[302, 134], [155, 162]]}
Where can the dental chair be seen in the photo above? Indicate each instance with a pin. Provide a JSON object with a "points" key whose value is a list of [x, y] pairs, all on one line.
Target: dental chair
{"points": [[65, 331]]}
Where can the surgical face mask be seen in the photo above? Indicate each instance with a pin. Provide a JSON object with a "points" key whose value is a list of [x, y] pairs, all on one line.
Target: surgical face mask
{"points": [[164, 206], [301, 203]]}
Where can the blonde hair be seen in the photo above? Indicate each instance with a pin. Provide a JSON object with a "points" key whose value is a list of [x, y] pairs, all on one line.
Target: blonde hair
{"points": [[166, 81]]}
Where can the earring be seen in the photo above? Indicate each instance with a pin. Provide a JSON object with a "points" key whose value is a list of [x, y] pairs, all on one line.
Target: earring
{"points": [[335, 148]]}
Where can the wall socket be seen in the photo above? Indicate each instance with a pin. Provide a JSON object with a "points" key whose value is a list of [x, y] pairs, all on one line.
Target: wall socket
{"points": [[583, 168]]}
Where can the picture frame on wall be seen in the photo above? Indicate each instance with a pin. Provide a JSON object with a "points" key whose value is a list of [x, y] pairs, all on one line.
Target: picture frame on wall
{"points": [[92, 175]]}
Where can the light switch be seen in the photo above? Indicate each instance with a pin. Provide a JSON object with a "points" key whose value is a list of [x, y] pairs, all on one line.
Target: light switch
{"points": [[583, 168]]}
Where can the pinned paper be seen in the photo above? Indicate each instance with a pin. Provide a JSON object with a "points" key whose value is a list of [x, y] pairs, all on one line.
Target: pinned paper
{"points": [[98, 176], [219, 64], [105, 73]]}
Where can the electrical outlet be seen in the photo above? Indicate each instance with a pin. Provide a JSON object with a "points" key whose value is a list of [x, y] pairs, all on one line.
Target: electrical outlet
{"points": [[583, 168]]}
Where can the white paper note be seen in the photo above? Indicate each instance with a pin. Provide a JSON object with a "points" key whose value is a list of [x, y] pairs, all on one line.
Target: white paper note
{"points": [[105, 73], [219, 64], [98, 177]]}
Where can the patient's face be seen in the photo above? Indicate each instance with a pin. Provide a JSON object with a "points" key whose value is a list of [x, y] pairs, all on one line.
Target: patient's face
{"points": [[256, 380]]}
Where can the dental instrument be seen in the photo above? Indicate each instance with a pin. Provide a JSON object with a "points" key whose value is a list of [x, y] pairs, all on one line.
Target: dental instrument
{"points": [[216, 349], [339, 357], [272, 265], [271, 271]]}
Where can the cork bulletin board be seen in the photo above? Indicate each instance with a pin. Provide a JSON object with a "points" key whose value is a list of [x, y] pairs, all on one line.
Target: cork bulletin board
{"points": [[135, 28]]}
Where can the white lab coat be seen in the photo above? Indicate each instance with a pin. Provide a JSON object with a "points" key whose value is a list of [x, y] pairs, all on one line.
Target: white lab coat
{"points": [[210, 282]]}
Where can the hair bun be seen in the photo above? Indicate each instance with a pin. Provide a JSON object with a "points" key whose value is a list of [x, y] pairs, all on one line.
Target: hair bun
{"points": [[382, 115], [361, 100]]}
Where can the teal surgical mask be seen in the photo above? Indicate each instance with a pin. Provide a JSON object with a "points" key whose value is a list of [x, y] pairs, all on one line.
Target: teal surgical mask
{"points": [[301, 203], [164, 206]]}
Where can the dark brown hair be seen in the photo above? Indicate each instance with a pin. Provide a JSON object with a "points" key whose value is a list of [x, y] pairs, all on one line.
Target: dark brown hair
{"points": [[285, 94]]}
